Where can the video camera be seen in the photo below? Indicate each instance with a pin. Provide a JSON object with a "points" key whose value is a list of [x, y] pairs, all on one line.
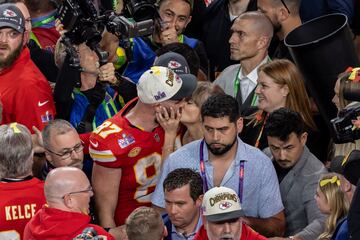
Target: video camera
{"points": [[83, 24], [345, 127]]}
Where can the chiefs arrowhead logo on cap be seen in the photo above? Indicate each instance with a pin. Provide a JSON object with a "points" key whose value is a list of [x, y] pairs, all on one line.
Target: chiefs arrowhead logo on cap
{"points": [[9, 13], [225, 205], [174, 64]]}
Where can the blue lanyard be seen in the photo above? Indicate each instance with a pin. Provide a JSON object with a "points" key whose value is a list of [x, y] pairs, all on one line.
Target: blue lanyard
{"points": [[203, 173]]}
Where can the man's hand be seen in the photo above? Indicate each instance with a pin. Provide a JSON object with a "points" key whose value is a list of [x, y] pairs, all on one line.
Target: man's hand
{"points": [[37, 140], [107, 73], [119, 233], [168, 34]]}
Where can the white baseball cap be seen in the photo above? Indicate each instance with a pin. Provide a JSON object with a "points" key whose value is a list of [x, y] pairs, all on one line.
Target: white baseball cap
{"points": [[221, 203], [159, 84]]}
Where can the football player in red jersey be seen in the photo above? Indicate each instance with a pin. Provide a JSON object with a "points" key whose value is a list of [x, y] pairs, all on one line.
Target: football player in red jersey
{"points": [[21, 194], [127, 148]]}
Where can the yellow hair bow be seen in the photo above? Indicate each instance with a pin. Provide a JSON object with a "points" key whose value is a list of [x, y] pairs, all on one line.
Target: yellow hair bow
{"points": [[15, 128], [354, 74], [334, 179]]}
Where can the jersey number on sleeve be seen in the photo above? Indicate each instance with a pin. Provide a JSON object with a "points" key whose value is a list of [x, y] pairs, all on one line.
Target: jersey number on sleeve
{"points": [[142, 193], [106, 129]]}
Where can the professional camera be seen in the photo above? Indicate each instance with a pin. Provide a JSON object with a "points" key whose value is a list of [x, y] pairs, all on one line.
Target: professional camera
{"points": [[83, 25], [88, 234], [345, 127]]}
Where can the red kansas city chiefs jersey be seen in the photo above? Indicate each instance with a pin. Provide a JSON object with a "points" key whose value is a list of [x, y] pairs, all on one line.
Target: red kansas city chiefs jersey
{"points": [[118, 144], [19, 201]]}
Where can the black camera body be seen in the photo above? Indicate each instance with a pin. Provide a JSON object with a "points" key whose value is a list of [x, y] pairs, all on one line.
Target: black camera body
{"points": [[88, 234], [83, 25], [343, 127]]}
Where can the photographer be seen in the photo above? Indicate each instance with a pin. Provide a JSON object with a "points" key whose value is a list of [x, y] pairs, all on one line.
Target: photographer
{"points": [[85, 97], [345, 86], [175, 15]]}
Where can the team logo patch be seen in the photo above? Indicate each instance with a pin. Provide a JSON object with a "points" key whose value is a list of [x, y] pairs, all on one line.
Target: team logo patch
{"points": [[134, 152], [157, 137], [173, 64], [9, 13], [126, 140], [225, 205], [160, 95], [47, 117]]}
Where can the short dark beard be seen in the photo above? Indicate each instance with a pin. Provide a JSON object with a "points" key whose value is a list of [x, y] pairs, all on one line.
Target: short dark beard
{"points": [[221, 151], [277, 27], [7, 62]]}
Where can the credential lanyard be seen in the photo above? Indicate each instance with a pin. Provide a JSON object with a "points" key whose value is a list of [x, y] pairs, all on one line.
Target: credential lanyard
{"points": [[237, 88], [203, 173]]}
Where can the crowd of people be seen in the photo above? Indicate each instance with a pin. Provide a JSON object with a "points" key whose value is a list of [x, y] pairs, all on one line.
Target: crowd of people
{"points": [[206, 128]]}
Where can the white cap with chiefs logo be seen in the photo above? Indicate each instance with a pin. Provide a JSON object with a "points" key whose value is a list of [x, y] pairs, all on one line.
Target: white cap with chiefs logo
{"points": [[221, 203]]}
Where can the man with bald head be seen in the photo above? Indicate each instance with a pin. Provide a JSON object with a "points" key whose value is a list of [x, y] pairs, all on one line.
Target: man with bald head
{"points": [[284, 16], [67, 192], [249, 42]]}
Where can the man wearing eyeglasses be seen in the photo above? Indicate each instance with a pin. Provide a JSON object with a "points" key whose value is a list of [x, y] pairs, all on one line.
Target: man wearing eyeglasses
{"points": [[284, 16], [62, 145], [25, 93], [66, 215]]}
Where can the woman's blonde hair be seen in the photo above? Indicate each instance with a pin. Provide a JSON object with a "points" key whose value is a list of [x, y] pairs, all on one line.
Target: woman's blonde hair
{"points": [[329, 185], [203, 91], [345, 83], [284, 72]]}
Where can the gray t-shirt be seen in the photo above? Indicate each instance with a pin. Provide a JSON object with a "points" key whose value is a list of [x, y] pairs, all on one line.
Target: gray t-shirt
{"points": [[261, 194]]}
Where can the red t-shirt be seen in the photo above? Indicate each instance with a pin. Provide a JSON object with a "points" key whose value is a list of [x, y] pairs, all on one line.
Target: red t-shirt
{"points": [[118, 144], [246, 234], [19, 202]]}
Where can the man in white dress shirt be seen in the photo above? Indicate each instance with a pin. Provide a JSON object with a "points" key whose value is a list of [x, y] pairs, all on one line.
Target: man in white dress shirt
{"points": [[249, 42]]}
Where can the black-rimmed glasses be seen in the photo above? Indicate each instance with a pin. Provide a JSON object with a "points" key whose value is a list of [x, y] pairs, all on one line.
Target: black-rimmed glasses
{"points": [[67, 154]]}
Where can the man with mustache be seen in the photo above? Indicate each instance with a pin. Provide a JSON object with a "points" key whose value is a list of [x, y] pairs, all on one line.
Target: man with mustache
{"points": [[224, 160], [62, 145], [298, 171], [222, 214], [25, 93]]}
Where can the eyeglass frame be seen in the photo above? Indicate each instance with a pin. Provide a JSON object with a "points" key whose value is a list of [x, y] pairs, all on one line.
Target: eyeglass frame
{"points": [[70, 151], [284, 4], [89, 189]]}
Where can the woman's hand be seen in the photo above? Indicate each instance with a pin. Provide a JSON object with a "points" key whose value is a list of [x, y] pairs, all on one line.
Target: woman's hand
{"points": [[169, 119]]}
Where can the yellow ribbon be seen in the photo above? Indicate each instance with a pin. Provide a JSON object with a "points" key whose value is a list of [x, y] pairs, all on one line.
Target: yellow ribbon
{"points": [[354, 74], [334, 179], [15, 128]]}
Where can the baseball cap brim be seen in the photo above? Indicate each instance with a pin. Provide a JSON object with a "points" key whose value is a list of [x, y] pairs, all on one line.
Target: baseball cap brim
{"points": [[188, 86], [225, 216], [10, 25], [336, 165]]}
